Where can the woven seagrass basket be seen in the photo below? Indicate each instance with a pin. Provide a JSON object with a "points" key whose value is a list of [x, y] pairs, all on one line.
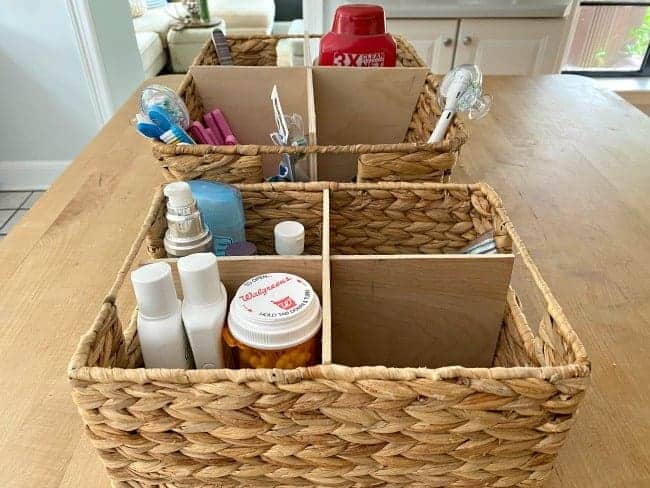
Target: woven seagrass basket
{"points": [[335, 425], [412, 160]]}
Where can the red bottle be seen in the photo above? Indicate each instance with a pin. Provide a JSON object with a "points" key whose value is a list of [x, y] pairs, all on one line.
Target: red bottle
{"points": [[358, 38]]}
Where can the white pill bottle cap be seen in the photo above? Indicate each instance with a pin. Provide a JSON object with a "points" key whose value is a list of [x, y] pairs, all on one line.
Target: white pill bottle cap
{"points": [[274, 311], [289, 238]]}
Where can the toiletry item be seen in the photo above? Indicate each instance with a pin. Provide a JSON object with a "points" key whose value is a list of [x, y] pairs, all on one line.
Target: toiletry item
{"points": [[221, 47], [172, 133], [204, 308], [290, 133], [483, 244], [245, 248], [168, 99], [216, 132], [222, 210], [202, 135], [185, 233], [160, 329], [219, 119], [273, 322], [358, 38], [461, 90], [146, 127], [289, 238]]}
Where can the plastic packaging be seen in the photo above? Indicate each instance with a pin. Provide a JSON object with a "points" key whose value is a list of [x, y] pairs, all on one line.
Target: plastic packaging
{"points": [[289, 238], [222, 210], [358, 38], [204, 308], [160, 329], [273, 322], [185, 233], [168, 99]]}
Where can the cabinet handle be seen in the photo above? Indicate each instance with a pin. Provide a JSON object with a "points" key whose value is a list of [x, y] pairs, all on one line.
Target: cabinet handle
{"points": [[447, 42], [467, 40]]}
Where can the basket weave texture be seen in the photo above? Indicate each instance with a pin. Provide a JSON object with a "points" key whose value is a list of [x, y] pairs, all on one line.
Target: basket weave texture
{"points": [[412, 160], [332, 425]]}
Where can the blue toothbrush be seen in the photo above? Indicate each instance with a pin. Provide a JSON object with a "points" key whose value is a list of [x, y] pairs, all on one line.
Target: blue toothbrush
{"points": [[147, 128], [171, 133]]}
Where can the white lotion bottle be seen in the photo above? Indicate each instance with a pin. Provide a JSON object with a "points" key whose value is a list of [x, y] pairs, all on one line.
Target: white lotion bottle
{"points": [[205, 302], [160, 328]]}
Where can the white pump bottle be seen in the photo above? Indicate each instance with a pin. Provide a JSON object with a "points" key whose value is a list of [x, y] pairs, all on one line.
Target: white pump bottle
{"points": [[204, 308]]}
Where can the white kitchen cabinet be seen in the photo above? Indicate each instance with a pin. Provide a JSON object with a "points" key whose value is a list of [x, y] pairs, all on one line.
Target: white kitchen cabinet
{"points": [[433, 39], [511, 46]]}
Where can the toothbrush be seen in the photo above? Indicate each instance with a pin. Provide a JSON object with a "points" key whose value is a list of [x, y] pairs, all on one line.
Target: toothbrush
{"points": [[172, 133], [147, 128]]}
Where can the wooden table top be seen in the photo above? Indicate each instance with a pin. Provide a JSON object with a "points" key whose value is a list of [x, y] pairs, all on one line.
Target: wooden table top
{"points": [[572, 165]]}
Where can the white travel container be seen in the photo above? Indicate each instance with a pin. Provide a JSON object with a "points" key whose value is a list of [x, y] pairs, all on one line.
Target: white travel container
{"points": [[204, 308], [160, 328]]}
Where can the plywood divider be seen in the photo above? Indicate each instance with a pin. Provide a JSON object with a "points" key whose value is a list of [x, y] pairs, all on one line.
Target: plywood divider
{"points": [[418, 310], [326, 294]]}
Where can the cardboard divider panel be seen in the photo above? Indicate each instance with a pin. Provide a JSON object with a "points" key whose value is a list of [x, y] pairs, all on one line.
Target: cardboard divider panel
{"points": [[418, 310], [362, 106], [243, 93]]}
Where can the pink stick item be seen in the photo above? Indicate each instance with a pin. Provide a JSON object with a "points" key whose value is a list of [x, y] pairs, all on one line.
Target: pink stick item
{"points": [[214, 128], [198, 133], [226, 132]]}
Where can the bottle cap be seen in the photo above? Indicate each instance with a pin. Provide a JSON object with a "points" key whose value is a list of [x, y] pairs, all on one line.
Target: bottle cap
{"points": [[359, 20], [274, 311], [289, 238], [178, 194], [200, 279], [154, 290]]}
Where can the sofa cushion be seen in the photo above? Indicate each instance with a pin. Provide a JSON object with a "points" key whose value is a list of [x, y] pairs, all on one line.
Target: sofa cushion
{"points": [[250, 17], [154, 20], [152, 53]]}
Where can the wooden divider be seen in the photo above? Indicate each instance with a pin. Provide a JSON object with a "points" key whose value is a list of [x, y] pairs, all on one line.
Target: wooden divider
{"points": [[418, 310]]}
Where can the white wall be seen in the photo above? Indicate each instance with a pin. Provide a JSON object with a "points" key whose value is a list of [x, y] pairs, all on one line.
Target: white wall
{"points": [[46, 111]]}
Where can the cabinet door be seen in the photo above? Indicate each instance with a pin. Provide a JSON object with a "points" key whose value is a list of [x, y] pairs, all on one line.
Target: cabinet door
{"points": [[511, 46], [434, 40]]}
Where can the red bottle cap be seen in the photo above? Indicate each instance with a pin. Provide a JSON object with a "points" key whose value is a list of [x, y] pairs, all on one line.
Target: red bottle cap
{"points": [[359, 20]]}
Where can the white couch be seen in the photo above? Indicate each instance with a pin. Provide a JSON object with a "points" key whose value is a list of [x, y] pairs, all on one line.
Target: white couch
{"points": [[251, 17]]}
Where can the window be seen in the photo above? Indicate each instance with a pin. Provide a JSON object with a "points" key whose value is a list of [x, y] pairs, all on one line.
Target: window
{"points": [[611, 39]]}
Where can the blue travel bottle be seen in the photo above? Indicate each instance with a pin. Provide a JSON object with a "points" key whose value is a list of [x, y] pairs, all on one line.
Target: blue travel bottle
{"points": [[222, 210]]}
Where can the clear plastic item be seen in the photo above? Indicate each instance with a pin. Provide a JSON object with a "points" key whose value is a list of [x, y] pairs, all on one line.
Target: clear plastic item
{"points": [[461, 90], [274, 322], [463, 86], [162, 96]]}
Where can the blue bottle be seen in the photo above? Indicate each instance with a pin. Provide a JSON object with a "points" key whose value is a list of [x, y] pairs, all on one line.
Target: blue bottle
{"points": [[222, 210]]}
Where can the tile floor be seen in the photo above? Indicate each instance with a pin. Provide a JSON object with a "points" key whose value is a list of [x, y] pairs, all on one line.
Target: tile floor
{"points": [[13, 206]]}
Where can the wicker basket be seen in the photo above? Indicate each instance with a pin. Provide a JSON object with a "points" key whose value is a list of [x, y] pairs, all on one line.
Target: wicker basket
{"points": [[334, 425], [412, 160]]}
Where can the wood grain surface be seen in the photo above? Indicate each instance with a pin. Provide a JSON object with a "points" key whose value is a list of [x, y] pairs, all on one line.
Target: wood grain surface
{"points": [[572, 164]]}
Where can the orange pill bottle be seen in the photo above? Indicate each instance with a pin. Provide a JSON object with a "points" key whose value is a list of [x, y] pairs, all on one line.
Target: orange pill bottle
{"points": [[274, 322]]}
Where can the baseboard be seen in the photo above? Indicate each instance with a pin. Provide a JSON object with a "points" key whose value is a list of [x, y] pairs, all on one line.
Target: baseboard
{"points": [[30, 175]]}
